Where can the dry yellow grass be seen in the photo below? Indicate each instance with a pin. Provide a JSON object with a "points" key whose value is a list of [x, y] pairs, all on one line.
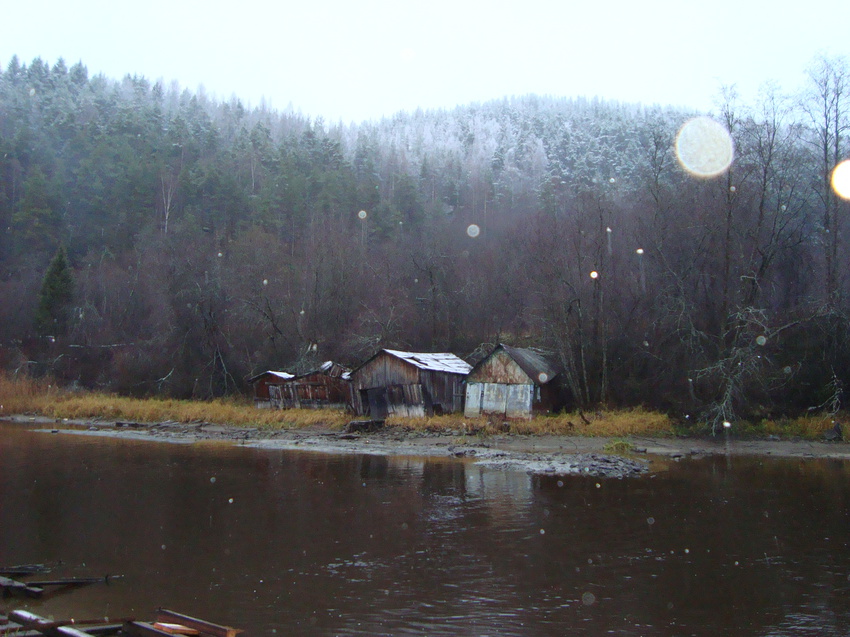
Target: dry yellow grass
{"points": [[617, 423], [23, 395], [20, 394], [810, 427], [610, 423]]}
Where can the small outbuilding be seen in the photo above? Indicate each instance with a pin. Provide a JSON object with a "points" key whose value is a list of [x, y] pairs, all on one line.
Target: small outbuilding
{"points": [[513, 382], [323, 388], [267, 388], [396, 383]]}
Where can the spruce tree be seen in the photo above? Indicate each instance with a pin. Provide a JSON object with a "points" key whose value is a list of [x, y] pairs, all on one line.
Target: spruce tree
{"points": [[57, 292]]}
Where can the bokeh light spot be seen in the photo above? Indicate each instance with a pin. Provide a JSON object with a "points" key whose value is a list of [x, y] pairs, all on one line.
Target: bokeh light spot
{"points": [[362, 214], [704, 147], [588, 599], [841, 179], [473, 230]]}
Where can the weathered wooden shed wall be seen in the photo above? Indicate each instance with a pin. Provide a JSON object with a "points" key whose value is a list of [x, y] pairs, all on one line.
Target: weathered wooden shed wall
{"points": [[389, 385], [321, 389], [513, 383], [266, 387]]}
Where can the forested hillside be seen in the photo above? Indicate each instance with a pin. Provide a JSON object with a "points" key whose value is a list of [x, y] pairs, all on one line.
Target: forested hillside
{"points": [[156, 240]]}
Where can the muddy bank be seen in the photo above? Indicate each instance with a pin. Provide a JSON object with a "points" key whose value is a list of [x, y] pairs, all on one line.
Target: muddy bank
{"points": [[543, 454]]}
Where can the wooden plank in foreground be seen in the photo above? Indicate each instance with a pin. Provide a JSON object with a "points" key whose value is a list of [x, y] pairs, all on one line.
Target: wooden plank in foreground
{"points": [[14, 586], [144, 629], [202, 626], [44, 626], [69, 581]]}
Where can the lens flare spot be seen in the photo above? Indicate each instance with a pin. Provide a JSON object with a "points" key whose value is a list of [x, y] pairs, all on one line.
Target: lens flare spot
{"points": [[841, 179], [362, 214], [588, 599], [704, 147], [761, 339], [473, 230], [543, 377], [594, 275]]}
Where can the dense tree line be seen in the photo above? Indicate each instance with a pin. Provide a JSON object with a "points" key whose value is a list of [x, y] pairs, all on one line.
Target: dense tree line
{"points": [[205, 241]]}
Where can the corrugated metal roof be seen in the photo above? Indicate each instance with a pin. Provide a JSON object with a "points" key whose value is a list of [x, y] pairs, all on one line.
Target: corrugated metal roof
{"points": [[437, 362]]}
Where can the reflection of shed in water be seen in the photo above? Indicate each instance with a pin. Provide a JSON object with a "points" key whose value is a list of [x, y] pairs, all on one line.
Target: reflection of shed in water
{"points": [[395, 383], [514, 383], [267, 388], [324, 388]]}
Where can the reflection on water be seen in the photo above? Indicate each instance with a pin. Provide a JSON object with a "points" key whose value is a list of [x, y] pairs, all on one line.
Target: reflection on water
{"points": [[303, 543]]}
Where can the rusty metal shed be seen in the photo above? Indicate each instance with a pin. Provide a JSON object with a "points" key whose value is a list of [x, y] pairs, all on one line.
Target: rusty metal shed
{"points": [[513, 382], [399, 383]]}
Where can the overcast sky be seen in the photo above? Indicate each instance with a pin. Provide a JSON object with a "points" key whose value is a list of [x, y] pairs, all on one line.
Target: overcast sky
{"points": [[347, 60]]}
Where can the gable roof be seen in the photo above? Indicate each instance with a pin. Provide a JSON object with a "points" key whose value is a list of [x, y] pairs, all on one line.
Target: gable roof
{"points": [[278, 375], [435, 362], [533, 363], [330, 368]]}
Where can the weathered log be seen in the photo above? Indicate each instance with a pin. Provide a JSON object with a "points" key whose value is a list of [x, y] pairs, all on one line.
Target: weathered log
{"points": [[358, 426]]}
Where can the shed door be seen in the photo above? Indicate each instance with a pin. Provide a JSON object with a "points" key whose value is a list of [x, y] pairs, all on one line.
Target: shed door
{"points": [[474, 394], [518, 401], [275, 396], [376, 398], [494, 400]]}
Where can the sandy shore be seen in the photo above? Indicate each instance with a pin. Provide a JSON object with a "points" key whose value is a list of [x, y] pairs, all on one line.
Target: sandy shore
{"points": [[537, 454]]}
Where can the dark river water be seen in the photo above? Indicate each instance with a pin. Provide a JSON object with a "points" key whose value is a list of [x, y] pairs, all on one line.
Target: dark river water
{"points": [[300, 543]]}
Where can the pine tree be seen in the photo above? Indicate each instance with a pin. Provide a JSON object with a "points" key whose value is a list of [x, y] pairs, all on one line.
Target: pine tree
{"points": [[57, 292]]}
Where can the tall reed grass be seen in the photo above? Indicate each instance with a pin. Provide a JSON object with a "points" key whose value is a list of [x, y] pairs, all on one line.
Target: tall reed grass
{"points": [[42, 398]]}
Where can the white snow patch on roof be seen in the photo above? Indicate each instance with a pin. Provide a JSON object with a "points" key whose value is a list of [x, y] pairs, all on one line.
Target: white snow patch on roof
{"points": [[437, 362], [282, 375]]}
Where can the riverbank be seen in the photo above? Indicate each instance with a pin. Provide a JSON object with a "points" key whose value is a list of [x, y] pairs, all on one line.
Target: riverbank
{"points": [[539, 453]]}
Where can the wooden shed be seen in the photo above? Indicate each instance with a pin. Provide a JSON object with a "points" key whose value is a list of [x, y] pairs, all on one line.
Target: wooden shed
{"points": [[267, 388], [512, 382], [400, 383], [323, 388]]}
